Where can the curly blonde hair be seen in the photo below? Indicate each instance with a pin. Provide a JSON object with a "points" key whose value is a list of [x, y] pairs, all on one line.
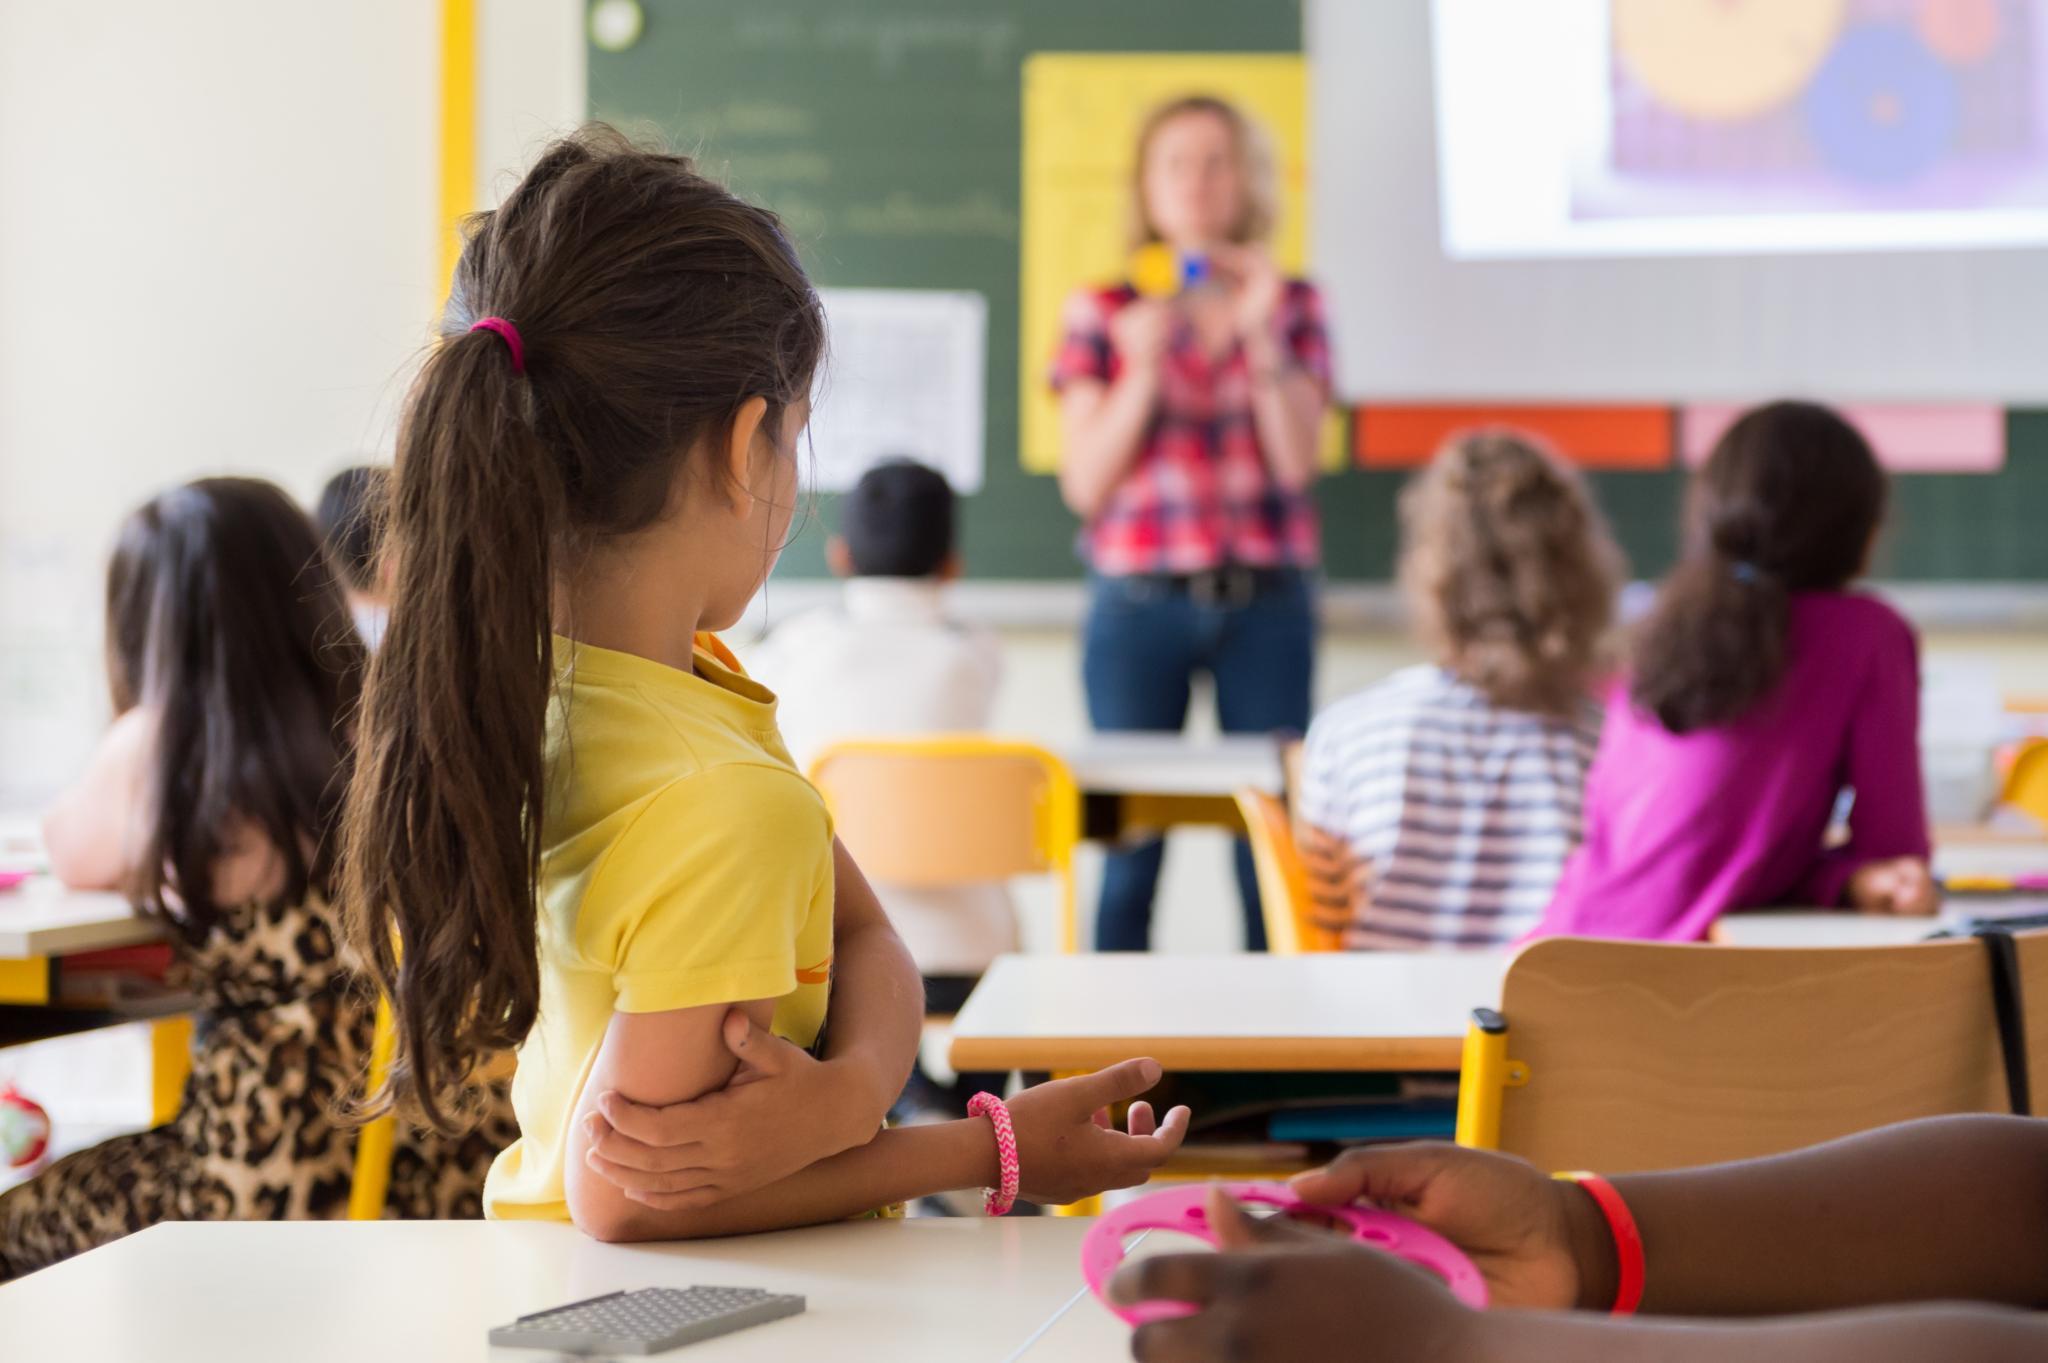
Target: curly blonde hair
{"points": [[1510, 569]]}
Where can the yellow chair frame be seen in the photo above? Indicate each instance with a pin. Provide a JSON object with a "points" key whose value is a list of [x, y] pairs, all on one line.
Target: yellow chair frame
{"points": [[1284, 900], [375, 1139]]}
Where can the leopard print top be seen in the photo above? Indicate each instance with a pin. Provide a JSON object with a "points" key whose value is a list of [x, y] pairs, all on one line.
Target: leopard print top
{"points": [[283, 1040]]}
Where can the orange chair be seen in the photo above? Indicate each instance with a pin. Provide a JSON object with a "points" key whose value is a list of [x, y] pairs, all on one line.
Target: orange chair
{"points": [[2026, 781], [956, 810], [1291, 929]]}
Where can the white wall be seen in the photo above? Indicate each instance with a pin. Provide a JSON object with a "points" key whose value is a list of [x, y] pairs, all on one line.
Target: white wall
{"points": [[217, 254]]}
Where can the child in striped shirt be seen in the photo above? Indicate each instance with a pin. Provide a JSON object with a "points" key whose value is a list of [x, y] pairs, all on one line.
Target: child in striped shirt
{"points": [[1437, 808]]}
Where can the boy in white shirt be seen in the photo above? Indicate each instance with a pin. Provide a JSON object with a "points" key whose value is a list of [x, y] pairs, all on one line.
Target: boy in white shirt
{"points": [[885, 663], [349, 516]]}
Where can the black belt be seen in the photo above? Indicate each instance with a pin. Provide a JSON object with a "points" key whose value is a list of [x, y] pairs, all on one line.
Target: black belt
{"points": [[1232, 584]]}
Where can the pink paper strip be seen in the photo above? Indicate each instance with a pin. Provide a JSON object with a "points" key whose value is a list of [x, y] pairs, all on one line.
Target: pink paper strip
{"points": [[1930, 438]]}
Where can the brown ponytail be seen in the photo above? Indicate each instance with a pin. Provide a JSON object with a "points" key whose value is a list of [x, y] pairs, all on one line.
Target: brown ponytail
{"points": [[1788, 502], [651, 304]]}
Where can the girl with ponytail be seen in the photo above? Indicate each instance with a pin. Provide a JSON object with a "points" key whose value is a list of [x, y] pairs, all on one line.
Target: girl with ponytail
{"points": [[575, 831], [1762, 688]]}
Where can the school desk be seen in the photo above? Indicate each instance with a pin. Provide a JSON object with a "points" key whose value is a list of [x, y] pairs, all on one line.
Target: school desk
{"points": [[40, 918], [41, 922], [429, 1292], [1841, 928], [1355, 1011], [1975, 852], [1138, 784]]}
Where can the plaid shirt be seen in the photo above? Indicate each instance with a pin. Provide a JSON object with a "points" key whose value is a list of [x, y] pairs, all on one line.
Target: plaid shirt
{"points": [[1200, 495]]}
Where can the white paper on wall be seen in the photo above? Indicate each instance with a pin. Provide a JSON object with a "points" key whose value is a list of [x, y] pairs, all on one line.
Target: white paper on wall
{"points": [[906, 378]]}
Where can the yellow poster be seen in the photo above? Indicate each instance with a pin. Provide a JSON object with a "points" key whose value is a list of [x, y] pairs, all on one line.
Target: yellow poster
{"points": [[1081, 117]]}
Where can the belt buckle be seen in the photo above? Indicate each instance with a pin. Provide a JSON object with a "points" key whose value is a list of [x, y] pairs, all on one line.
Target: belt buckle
{"points": [[1231, 587]]}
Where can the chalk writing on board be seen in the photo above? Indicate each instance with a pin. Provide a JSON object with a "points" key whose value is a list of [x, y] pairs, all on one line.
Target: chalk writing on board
{"points": [[751, 118], [890, 39], [904, 214], [907, 378]]}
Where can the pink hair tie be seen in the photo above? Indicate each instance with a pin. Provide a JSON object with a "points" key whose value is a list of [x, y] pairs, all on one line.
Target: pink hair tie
{"points": [[1004, 1197], [511, 335]]}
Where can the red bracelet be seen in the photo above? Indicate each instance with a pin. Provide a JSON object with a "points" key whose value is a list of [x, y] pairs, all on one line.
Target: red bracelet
{"points": [[1001, 1198], [1628, 1240]]}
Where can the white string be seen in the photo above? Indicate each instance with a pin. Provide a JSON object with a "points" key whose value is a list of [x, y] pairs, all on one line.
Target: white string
{"points": [[1054, 1318]]}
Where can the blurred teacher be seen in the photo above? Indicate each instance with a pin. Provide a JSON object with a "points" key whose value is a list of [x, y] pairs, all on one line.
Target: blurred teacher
{"points": [[1190, 424]]}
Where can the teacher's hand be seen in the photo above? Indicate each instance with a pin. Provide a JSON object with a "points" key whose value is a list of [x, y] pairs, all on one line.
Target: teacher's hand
{"points": [[1141, 331], [1257, 287], [770, 1120]]}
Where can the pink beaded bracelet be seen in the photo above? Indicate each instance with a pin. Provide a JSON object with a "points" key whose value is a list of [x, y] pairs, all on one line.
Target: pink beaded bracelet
{"points": [[1000, 1199]]}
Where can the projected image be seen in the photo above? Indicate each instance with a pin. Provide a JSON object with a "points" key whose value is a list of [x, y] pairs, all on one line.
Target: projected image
{"points": [[1819, 106], [1616, 127]]}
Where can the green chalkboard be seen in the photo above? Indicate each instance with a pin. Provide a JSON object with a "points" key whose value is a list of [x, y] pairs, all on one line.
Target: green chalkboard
{"points": [[888, 134]]}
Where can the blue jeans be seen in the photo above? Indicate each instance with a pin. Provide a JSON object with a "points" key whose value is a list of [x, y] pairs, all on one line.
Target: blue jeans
{"points": [[1143, 645]]}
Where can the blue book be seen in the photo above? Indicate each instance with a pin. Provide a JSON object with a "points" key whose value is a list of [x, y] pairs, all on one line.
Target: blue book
{"points": [[1363, 1122]]}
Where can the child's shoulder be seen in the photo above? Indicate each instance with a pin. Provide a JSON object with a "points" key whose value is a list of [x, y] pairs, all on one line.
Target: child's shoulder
{"points": [[1397, 698], [1847, 617], [738, 808]]}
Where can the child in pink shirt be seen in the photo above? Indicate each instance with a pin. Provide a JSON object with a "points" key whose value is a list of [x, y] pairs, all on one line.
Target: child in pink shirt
{"points": [[1760, 689]]}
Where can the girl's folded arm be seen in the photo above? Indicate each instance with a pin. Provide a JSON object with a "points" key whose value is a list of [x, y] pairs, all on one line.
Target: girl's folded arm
{"points": [[671, 1057], [896, 1166], [655, 1058]]}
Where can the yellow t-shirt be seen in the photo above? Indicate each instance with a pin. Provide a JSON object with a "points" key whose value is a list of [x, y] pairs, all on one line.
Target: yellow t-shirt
{"points": [[685, 863]]}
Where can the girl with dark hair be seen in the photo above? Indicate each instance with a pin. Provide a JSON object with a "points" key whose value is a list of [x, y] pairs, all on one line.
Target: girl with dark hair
{"points": [[574, 827], [1762, 688], [212, 803]]}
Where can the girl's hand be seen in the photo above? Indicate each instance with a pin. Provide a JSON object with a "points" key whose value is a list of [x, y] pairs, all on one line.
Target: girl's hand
{"points": [[1141, 331], [1522, 1230], [1066, 1147], [775, 1116], [1283, 1291], [1901, 885]]}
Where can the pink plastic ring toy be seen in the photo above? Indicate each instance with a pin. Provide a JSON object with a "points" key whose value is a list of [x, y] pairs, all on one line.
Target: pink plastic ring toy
{"points": [[1181, 1209]]}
